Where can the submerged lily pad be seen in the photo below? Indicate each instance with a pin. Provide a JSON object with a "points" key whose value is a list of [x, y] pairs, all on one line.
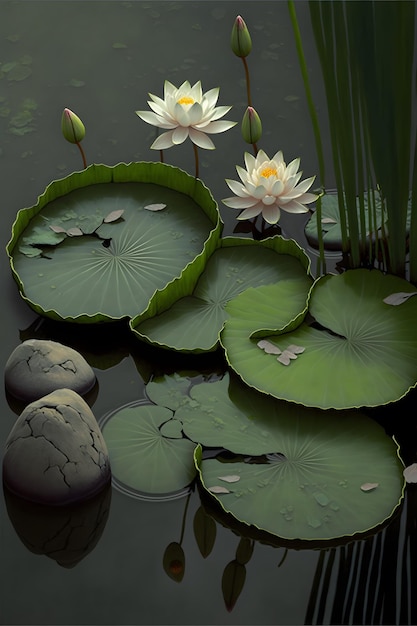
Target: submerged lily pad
{"points": [[193, 323], [360, 351], [330, 222], [113, 270], [147, 452]]}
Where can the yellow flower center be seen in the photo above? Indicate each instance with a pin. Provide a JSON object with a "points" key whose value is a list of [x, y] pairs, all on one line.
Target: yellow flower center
{"points": [[185, 100], [268, 171]]}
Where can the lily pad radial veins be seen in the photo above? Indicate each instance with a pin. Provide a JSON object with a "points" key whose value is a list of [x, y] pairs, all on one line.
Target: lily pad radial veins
{"points": [[112, 269]]}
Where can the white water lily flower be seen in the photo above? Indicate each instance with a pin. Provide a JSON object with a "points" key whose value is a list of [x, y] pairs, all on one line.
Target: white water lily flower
{"points": [[187, 112], [269, 185]]}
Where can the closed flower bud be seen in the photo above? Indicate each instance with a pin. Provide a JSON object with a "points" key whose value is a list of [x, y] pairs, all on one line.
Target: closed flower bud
{"points": [[240, 41], [72, 127], [251, 126]]}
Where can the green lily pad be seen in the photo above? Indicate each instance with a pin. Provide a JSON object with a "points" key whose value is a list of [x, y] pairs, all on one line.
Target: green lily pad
{"points": [[311, 489], [147, 452], [193, 323], [169, 391], [298, 473], [112, 270], [360, 351], [330, 222]]}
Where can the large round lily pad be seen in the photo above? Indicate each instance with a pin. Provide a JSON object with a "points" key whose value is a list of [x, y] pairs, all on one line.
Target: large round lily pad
{"points": [[193, 323], [147, 450], [99, 243], [360, 351], [297, 473]]}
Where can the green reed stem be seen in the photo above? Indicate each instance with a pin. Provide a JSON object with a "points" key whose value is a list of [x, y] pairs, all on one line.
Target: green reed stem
{"points": [[307, 87], [321, 263]]}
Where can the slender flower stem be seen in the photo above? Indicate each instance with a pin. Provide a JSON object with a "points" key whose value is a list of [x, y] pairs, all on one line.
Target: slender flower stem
{"points": [[245, 65], [196, 160], [187, 502], [161, 156], [82, 154], [255, 149]]}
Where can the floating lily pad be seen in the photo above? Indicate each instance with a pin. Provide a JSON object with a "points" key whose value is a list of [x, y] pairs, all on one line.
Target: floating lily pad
{"points": [[298, 473], [314, 493], [193, 323], [113, 270], [359, 352], [147, 452]]}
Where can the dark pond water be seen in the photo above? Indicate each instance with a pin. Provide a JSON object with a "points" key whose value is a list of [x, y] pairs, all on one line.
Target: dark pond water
{"points": [[101, 59]]}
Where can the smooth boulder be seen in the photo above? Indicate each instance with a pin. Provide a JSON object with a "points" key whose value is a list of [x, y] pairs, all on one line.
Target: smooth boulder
{"points": [[38, 366], [55, 453]]}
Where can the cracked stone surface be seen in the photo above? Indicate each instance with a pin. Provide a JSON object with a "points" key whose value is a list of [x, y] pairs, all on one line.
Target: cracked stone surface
{"points": [[38, 366], [55, 453]]}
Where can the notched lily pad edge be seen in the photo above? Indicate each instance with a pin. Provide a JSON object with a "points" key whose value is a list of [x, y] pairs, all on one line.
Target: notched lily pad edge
{"points": [[258, 533], [163, 299], [99, 173]]}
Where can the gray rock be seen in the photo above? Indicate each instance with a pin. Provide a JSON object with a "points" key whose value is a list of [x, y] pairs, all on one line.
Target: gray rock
{"points": [[55, 453], [37, 367]]}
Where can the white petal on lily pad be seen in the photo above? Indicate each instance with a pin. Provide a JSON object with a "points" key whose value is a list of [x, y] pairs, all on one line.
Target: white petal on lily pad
{"points": [[74, 232], [398, 298], [410, 473], [218, 489], [155, 207], [328, 220], [268, 347], [58, 229], [230, 479], [295, 349], [369, 486], [113, 216], [286, 357]]}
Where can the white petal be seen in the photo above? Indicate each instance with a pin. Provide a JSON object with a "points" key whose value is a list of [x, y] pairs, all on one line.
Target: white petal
{"points": [[268, 200], [249, 161], [163, 141], [278, 158], [160, 110], [237, 188], [293, 207], [271, 214], [157, 100], [251, 212], [185, 88], [291, 181], [179, 135], [195, 92], [169, 88], [243, 175], [195, 113], [151, 118], [306, 198], [305, 184], [277, 188], [261, 157], [219, 127], [219, 112], [292, 168], [181, 115], [240, 203], [200, 139], [259, 192], [211, 97]]}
